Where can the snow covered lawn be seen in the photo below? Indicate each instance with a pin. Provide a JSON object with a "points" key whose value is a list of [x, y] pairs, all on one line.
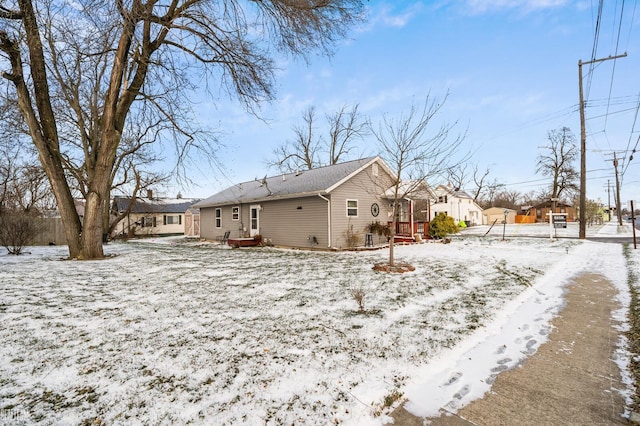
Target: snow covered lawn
{"points": [[195, 333]]}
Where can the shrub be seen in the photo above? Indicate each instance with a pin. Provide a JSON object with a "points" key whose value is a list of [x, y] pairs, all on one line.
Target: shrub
{"points": [[352, 238], [358, 295], [379, 228], [462, 224], [442, 225], [17, 229]]}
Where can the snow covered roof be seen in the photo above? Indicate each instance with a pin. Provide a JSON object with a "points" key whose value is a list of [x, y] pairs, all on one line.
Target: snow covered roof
{"points": [[291, 185], [154, 205]]}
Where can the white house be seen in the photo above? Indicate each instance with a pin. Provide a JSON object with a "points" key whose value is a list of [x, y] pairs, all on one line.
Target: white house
{"points": [[151, 215], [457, 204]]}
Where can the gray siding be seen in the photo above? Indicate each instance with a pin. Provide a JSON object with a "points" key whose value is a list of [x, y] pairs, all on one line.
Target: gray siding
{"points": [[208, 228], [295, 222], [366, 189]]}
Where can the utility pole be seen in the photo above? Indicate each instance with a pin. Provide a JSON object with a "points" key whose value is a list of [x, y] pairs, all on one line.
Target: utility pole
{"points": [[618, 210], [583, 148], [609, 197]]}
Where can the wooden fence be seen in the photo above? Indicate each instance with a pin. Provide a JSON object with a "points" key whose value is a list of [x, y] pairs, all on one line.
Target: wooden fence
{"points": [[51, 231]]}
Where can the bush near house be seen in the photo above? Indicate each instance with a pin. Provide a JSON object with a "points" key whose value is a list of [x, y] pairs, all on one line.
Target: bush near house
{"points": [[442, 225]]}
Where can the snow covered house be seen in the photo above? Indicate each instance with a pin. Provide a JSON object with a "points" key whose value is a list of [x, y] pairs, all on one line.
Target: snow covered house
{"points": [[457, 204], [325, 207], [156, 216]]}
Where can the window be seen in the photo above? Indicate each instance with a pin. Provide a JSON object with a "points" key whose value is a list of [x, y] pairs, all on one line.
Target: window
{"points": [[235, 213], [374, 169], [218, 218], [149, 222], [172, 219], [442, 199], [352, 208]]}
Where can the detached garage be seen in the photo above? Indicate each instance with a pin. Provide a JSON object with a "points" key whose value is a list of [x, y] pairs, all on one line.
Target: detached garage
{"points": [[497, 215]]}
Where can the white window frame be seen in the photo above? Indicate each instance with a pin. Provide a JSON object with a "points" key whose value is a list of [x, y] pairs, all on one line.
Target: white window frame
{"points": [[218, 218], [351, 208], [235, 213]]}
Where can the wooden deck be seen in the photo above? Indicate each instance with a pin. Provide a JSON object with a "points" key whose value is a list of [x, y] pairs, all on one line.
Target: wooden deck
{"points": [[244, 242]]}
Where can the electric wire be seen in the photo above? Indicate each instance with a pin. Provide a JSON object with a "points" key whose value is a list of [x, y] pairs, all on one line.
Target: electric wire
{"points": [[613, 70]]}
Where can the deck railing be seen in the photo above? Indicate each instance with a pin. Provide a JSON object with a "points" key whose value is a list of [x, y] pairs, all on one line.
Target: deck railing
{"points": [[404, 229]]}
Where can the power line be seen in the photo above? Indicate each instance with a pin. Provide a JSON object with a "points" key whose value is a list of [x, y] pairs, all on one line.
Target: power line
{"points": [[613, 71]]}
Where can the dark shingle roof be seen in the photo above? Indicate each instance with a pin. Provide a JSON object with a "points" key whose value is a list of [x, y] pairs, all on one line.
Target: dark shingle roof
{"points": [[291, 185], [155, 205]]}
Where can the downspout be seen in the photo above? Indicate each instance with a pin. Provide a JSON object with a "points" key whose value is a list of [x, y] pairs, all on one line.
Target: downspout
{"points": [[328, 219], [411, 217]]}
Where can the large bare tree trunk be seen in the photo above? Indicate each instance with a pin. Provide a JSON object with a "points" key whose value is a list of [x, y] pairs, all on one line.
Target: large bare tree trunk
{"points": [[42, 125]]}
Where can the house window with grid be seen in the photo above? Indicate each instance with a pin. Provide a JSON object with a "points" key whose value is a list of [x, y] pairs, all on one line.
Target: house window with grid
{"points": [[149, 222], [218, 218], [442, 199], [235, 213], [352, 208]]}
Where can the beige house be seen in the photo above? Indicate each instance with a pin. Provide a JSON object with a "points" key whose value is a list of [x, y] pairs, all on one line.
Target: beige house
{"points": [[327, 207], [457, 204], [497, 215], [148, 216]]}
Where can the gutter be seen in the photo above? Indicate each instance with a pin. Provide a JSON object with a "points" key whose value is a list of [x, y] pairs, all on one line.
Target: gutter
{"points": [[328, 219]]}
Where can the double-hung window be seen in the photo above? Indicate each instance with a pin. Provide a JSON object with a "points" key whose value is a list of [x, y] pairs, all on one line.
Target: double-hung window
{"points": [[352, 208], [218, 218]]}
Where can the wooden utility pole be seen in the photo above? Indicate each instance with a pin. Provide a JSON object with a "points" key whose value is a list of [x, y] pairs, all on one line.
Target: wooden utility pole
{"points": [[618, 205], [609, 197], [583, 148]]}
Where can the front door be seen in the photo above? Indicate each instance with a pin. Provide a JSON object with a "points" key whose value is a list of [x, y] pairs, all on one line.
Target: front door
{"points": [[254, 228]]}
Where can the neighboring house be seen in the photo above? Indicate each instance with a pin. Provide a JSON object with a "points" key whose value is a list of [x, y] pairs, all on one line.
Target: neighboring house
{"points": [[151, 216], [498, 215], [325, 207], [457, 204], [541, 211]]}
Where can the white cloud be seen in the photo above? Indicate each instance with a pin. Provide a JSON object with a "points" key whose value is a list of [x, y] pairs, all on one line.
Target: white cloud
{"points": [[475, 7], [386, 15]]}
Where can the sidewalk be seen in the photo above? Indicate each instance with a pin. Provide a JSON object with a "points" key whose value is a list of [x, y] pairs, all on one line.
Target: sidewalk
{"points": [[570, 380]]}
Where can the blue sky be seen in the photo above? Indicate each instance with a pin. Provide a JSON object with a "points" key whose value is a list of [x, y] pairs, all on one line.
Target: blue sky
{"points": [[510, 68]]}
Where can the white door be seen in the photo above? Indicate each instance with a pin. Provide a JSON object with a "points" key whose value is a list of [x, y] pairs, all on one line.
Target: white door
{"points": [[254, 228]]}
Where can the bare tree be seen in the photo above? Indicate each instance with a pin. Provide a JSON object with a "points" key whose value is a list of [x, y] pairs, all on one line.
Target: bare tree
{"points": [[480, 180], [137, 55], [414, 154], [23, 183], [308, 150], [557, 164], [302, 152], [457, 176], [509, 199], [345, 126]]}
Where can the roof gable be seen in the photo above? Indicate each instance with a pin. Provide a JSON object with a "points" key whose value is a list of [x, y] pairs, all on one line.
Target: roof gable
{"points": [[291, 185]]}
